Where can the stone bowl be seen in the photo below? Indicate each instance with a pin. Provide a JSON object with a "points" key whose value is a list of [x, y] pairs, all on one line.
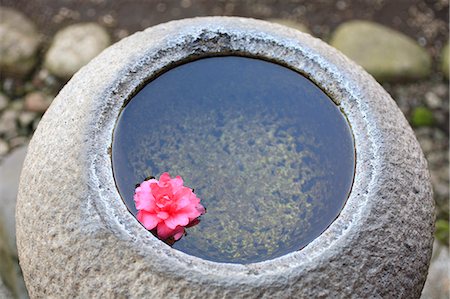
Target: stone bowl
{"points": [[76, 238]]}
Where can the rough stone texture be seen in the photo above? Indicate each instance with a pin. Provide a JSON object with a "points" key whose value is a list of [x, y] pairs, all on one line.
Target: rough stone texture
{"points": [[19, 42], [445, 56], [10, 169], [76, 238], [74, 46], [437, 285], [386, 54], [292, 24]]}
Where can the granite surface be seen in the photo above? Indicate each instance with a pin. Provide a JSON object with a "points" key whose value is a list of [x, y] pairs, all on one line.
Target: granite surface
{"points": [[76, 238]]}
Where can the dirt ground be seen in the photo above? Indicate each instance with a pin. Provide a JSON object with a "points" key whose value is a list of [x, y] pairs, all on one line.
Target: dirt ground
{"points": [[424, 20]]}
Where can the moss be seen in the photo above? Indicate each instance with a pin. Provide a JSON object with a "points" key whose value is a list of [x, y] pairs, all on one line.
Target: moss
{"points": [[442, 231], [422, 116]]}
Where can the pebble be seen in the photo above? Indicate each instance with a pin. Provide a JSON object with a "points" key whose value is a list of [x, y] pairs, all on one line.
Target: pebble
{"points": [[437, 285], [10, 169], [432, 100], [386, 54], [20, 42], [26, 118], [4, 291], [17, 105], [73, 47], [8, 123], [3, 102], [37, 102], [18, 141], [4, 147]]}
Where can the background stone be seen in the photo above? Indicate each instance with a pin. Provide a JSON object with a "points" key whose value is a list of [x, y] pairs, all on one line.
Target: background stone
{"points": [[437, 285], [292, 24], [3, 101], [4, 292], [445, 55], [10, 169], [73, 47], [386, 54], [19, 42], [37, 102]]}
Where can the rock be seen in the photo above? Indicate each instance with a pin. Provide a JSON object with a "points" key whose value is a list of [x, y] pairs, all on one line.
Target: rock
{"points": [[4, 292], [7, 269], [77, 239], [4, 147], [20, 42], [292, 24], [26, 118], [37, 102], [73, 47], [432, 100], [18, 141], [437, 285], [8, 123], [386, 54], [10, 170], [3, 101], [445, 56]]}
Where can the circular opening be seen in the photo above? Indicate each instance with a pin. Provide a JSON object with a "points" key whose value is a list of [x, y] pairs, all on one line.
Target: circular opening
{"points": [[268, 152]]}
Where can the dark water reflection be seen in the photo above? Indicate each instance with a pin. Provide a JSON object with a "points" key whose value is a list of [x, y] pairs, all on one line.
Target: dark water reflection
{"points": [[269, 154]]}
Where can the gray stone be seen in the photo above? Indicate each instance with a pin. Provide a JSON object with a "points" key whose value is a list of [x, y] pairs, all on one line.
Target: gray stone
{"points": [[17, 105], [8, 123], [3, 102], [7, 271], [26, 118], [445, 56], [4, 148], [433, 100], [4, 292], [20, 42], [10, 169], [291, 24], [437, 285], [76, 238], [386, 54], [37, 102], [73, 47], [18, 141]]}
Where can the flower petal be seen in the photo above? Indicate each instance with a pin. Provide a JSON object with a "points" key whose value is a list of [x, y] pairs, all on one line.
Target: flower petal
{"points": [[164, 231], [144, 201], [180, 219], [177, 184], [148, 220], [178, 232], [163, 215]]}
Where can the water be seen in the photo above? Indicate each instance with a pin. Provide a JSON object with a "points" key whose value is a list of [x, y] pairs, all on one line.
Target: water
{"points": [[268, 152]]}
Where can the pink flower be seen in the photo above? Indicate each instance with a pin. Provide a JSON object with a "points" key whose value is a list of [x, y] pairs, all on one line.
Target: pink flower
{"points": [[166, 205]]}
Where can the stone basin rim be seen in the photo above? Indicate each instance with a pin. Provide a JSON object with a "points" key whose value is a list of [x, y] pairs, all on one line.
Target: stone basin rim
{"points": [[122, 69]]}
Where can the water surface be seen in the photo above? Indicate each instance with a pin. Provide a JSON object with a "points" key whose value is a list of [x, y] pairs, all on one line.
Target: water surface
{"points": [[267, 151]]}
